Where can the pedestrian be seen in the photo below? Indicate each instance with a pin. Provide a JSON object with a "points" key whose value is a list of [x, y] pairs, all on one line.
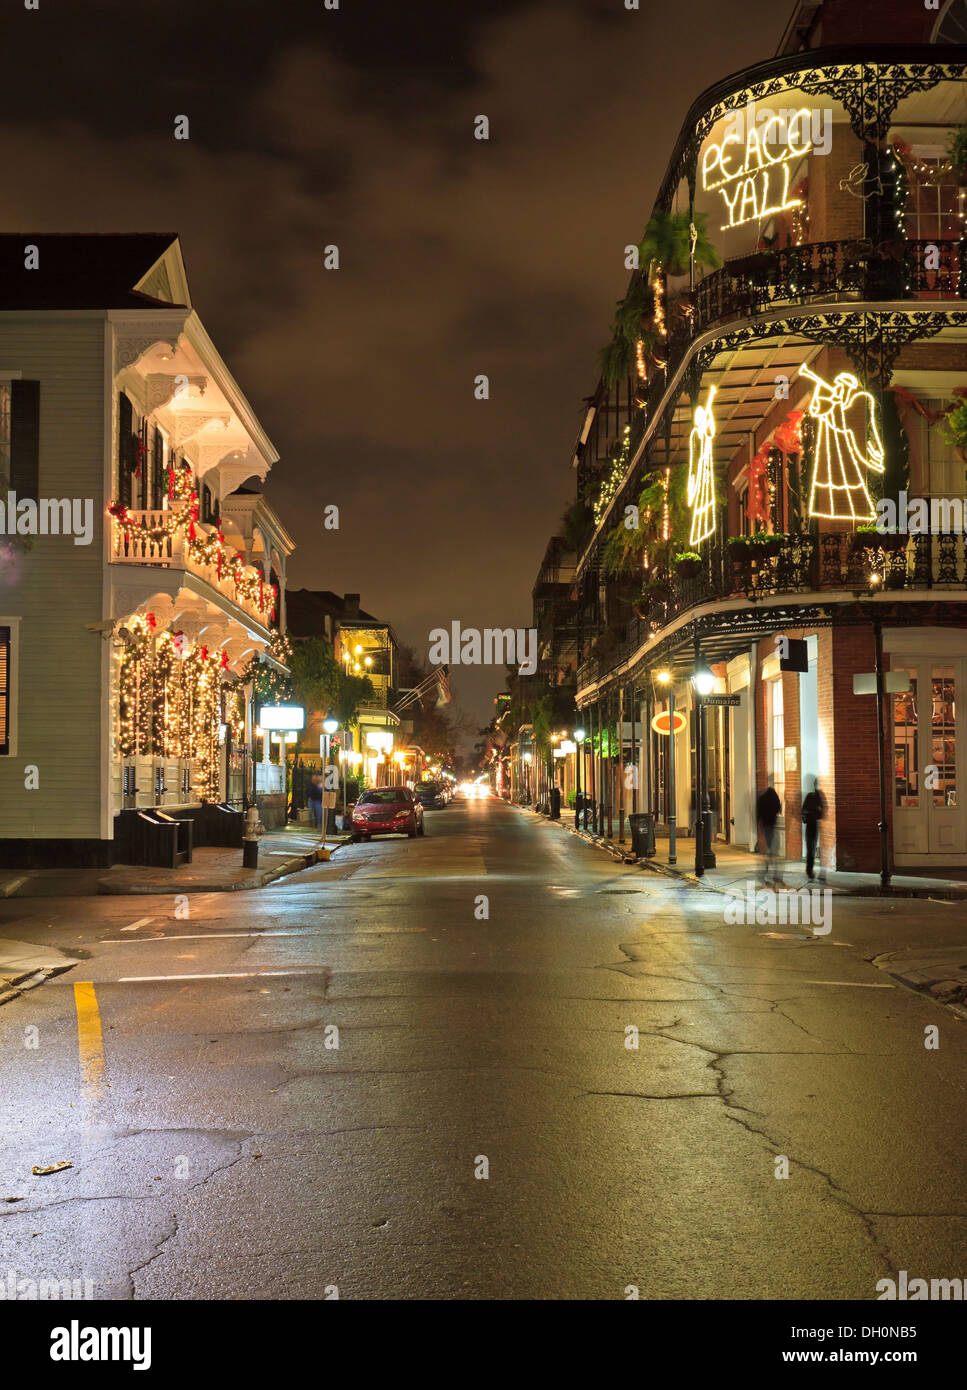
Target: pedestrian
{"points": [[315, 800], [813, 810], [767, 810]]}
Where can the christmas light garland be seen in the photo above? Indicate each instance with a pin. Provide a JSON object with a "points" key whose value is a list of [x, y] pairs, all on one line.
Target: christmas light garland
{"points": [[170, 704], [203, 549]]}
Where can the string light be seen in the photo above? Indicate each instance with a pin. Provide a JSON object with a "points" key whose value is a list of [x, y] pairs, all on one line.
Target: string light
{"points": [[835, 440], [203, 548], [701, 472]]}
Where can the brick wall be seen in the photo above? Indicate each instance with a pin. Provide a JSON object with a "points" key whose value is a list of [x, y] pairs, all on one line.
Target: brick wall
{"points": [[834, 213]]}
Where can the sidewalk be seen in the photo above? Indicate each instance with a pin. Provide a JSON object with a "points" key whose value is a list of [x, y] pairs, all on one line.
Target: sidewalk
{"points": [[212, 870], [22, 966]]}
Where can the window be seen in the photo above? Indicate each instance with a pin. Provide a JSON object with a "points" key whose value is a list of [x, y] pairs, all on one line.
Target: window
{"points": [[945, 474], [4, 691], [942, 735], [20, 437], [933, 199], [905, 759]]}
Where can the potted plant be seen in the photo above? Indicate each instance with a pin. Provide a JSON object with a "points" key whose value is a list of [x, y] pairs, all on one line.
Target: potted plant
{"points": [[688, 564], [739, 549], [658, 591], [867, 537], [605, 645]]}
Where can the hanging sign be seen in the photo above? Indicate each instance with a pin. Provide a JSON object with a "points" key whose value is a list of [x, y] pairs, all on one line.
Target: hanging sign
{"points": [[660, 722], [755, 184]]}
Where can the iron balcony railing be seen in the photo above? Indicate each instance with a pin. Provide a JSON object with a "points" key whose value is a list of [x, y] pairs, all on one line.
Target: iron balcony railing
{"points": [[831, 561]]}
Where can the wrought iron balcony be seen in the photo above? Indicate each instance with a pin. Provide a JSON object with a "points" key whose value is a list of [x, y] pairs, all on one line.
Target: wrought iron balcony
{"points": [[830, 562]]}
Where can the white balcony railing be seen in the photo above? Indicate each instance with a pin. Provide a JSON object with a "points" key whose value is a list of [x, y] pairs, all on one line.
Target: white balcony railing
{"points": [[173, 552]]}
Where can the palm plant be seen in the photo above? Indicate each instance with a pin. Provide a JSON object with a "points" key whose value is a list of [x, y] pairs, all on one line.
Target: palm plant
{"points": [[667, 242]]}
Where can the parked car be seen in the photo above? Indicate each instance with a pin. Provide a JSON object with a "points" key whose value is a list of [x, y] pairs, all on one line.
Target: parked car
{"points": [[430, 795], [387, 811]]}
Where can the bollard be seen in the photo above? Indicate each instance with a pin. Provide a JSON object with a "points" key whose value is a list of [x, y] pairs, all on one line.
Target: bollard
{"points": [[250, 839]]}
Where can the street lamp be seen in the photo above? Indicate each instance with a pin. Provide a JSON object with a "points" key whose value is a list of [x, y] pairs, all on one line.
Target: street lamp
{"points": [[665, 678], [330, 724], [579, 740]]}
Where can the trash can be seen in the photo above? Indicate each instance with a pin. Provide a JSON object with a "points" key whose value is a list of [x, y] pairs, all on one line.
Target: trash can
{"points": [[555, 803], [643, 835]]}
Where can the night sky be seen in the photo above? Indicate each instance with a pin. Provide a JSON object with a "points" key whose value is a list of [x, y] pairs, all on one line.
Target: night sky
{"points": [[458, 256]]}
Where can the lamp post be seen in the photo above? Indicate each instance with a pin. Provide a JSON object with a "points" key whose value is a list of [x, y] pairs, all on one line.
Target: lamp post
{"points": [[665, 678], [704, 683], [579, 742], [330, 724]]}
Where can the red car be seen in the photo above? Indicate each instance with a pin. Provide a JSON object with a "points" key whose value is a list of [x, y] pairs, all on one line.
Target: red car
{"points": [[387, 811]]}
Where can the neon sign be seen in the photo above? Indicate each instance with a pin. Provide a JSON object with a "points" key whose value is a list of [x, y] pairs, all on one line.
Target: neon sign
{"points": [[838, 490], [759, 186], [701, 474]]}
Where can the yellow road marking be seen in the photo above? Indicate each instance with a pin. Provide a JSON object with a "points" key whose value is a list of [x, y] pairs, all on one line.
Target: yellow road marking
{"points": [[90, 1041]]}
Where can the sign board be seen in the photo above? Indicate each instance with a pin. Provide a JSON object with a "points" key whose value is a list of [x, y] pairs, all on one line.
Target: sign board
{"points": [[798, 658], [660, 722], [282, 717], [730, 701], [864, 683]]}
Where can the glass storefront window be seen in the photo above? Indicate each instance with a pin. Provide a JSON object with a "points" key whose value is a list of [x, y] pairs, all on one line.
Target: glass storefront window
{"points": [[942, 736], [905, 759]]}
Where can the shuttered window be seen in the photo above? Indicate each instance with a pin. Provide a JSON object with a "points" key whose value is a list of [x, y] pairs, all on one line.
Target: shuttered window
{"points": [[158, 485], [4, 691], [25, 438], [127, 451]]}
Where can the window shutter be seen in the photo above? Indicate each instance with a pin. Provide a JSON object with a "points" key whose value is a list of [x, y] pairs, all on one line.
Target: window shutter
{"points": [[157, 472], [125, 442], [25, 438]]}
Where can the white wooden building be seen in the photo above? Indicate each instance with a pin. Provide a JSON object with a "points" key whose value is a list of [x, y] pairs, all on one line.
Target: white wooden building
{"points": [[120, 642]]}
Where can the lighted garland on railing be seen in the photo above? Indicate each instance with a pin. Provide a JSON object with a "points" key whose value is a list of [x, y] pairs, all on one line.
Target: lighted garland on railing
{"points": [[611, 484], [170, 704], [205, 549]]}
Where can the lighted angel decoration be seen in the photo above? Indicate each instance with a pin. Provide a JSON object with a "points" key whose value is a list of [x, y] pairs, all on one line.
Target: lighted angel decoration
{"points": [[843, 448], [701, 474]]}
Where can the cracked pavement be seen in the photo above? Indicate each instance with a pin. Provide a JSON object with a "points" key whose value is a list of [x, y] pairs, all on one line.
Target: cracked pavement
{"points": [[234, 1152]]}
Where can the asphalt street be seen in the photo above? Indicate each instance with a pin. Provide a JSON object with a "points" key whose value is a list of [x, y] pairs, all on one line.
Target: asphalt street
{"points": [[411, 1073]]}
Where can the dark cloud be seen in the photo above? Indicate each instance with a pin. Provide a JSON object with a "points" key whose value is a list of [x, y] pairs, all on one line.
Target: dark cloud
{"points": [[458, 256]]}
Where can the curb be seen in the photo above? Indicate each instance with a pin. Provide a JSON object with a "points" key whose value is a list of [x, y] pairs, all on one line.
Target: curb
{"points": [[17, 985], [258, 880]]}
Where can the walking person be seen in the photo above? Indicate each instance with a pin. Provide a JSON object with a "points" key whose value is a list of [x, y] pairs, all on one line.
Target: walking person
{"points": [[767, 810], [813, 810], [315, 800]]}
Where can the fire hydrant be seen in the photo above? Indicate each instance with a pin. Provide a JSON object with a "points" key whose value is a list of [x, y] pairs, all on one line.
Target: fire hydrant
{"points": [[250, 839]]}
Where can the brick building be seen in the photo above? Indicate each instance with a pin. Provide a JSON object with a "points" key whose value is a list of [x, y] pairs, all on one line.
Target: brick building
{"points": [[783, 381]]}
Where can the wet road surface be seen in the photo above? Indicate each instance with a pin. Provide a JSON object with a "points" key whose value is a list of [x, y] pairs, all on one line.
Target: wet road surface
{"points": [[411, 1073]]}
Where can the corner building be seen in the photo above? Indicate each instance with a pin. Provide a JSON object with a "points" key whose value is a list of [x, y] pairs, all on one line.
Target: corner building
{"points": [[789, 378]]}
